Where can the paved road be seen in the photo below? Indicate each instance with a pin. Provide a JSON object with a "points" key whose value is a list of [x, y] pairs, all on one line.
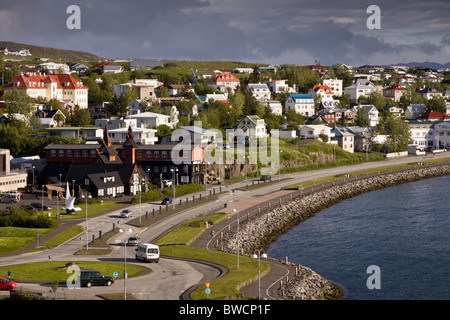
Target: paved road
{"points": [[235, 199]]}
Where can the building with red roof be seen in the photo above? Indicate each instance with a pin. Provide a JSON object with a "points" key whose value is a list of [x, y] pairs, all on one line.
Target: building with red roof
{"points": [[224, 80], [62, 87]]}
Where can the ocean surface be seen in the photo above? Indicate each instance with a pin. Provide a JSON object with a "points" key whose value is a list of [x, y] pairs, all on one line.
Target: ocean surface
{"points": [[389, 244]]}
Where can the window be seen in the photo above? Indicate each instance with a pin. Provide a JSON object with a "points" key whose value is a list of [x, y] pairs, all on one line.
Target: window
{"points": [[53, 153], [139, 154], [164, 154], [148, 154], [61, 153], [93, 153], [85, 153], [77, 153], [156, 154], [69, 153]]}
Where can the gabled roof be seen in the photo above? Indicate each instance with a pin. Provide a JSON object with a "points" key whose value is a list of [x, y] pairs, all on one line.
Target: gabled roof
{"points": [[327, 89], [224, 77], [433, 115], [64, 81], [298, 96]]}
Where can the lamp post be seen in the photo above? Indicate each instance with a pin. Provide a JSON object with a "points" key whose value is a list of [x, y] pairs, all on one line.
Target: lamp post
{"points": [[125, 262], [258, 254], [86, 197], [57, 196], [237, 237], [174, 172]]}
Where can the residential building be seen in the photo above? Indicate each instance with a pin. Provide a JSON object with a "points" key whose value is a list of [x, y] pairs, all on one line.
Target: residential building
{"points": [[279, 86], [301, 103], [328, 114], [53, 68], [394, 91], [243, 70], [196, 136], [396, 111], [145, 88], [362, 138], [430, 92], [413, 111], [335, 86], [82, 133], [15, 52], [141, 135], [313, 131], [252, 124], [62, 87], [152, 120], [422, 133], [51, 118], [274, 106], [112, 68], [224, 81], [323, 91], [259, 90], [371, 112], [345, 138], [355, 91], [344, 115]]}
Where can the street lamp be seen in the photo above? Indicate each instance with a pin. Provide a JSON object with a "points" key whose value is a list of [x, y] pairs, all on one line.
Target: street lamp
{"points": [[237, 237], [125, 262], [86, 197], [258, 254], [57, 195], [174, 172]]}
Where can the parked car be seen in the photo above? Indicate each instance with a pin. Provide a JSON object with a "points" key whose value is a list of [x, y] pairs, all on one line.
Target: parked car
{"points": [[9, 197], [133, 241], [89, 278], [39, 206], [126, 213], [6, 284], [265, 178], [29, 207], [166, 200]]}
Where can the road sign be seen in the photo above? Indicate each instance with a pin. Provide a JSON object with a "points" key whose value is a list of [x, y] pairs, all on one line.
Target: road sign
{"points": [[208, 290], [115, 274], [9, 273]]}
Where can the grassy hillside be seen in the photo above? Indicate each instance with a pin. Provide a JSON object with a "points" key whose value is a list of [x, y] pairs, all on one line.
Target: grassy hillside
{"points": [[52, 53]]}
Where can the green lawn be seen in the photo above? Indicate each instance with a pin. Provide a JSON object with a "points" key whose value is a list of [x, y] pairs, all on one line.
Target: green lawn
{"points": [[55, 271], [91, 209], [12, 238]]}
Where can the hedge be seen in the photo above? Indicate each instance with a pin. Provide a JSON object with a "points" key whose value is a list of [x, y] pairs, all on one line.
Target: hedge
{"points": [[24, 219], [180, 190]]}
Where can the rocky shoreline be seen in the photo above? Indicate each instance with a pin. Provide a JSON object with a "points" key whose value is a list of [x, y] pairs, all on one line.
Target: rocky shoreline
{"points": [[264, 228]]}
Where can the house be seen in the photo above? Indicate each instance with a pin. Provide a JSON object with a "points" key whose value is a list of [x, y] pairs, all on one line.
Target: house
{"points": [[422, 134], [53, 68], [273, 69], [145, 64], [301, 103], [433, 116], [274, 106], [224, 81], [371, 112], [145, 88], [362, 138], [345, 139], [140, 134], [259, 90], [335, 86], [152, 119], [177, 89], [323, 91], [396, 111], [355, 91], [84, 133], [51, 118], [243, 70], [328, 114], [279, 86], [253, 124], [62, 87], [344, 115], [394, 91], [429, 92], [158, 160], [112, 68], [196, 135], [198, 75], [103, 184], [415, 110], [314, 131]]}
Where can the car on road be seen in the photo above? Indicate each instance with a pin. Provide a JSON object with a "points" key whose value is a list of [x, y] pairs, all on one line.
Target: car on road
{"points": [[126, 213], [29, 207], [39, 206], [264, 178], [6, 284], [89, 278], [166, 200], [9, 197], [133, 241], [147, 252]]}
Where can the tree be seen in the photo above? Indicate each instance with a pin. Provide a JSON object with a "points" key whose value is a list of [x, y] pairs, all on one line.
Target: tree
{"points": [[399, 134], [81, 117], [17, 101], [362, 118]]}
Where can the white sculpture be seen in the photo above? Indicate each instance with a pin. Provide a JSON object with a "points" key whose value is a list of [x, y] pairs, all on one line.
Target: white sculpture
{"points": [[70, 201]]}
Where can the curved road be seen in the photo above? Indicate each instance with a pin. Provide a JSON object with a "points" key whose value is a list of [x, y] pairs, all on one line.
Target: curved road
{"points": [[170, 278]]}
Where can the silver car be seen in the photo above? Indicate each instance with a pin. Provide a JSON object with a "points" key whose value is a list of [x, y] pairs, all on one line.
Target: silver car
{"points": [[126, 214]]}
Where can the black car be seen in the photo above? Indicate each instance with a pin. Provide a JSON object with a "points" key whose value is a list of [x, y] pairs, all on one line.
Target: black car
{"points": [[166, 200], [265, 178], [89, 278], [39, 206]]}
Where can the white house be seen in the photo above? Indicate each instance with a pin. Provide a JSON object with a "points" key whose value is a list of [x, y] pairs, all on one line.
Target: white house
{"points": [[323, 91], [274, 106], [372, 113], [198, 136], [335, 86], [279, 86], [141, 135], [151, 119], [259, 90], [345, 139], [313, 131], [414, 111], [301, 103], [355, 91], [429, 92], [422, 133], [53, 68], [254, 123]]}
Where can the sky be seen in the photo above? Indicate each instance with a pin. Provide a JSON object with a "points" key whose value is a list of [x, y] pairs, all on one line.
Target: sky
{"points": [[256, 31]]}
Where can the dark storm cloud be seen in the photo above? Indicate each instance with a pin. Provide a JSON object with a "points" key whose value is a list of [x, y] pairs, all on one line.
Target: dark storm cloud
{"points": [[284, 31]]}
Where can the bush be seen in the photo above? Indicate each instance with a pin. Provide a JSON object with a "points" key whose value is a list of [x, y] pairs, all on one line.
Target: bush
{"points": [[24, 219]]}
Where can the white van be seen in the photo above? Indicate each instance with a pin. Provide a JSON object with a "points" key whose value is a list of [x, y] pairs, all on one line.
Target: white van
{"points": [[147, 252]]}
